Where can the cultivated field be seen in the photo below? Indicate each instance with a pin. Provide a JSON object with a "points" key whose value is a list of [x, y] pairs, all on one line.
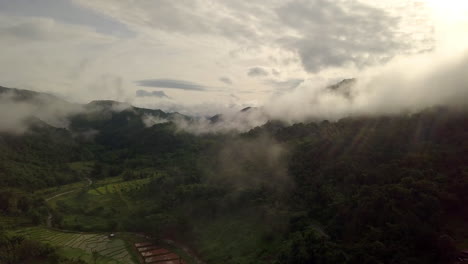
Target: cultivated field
{"points": [[123, 186], [78, 245]]}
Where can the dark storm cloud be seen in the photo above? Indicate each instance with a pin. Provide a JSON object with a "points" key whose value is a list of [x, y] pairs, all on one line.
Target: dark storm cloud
{"points": [[226, 80], [159, 94], [257, 72], [172, 84], [339, 33]]}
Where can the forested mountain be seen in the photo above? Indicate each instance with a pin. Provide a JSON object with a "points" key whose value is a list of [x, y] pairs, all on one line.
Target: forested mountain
{"points": [[370, 189]]}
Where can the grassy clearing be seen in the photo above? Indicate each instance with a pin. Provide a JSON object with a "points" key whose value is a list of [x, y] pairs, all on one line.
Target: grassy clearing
{"points": [[82, 246]]}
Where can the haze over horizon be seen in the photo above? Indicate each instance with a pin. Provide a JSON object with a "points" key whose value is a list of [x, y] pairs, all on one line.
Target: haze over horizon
{"points": [[206, 57]]}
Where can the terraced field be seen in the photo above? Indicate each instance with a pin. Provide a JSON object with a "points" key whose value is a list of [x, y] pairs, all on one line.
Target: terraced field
{"points": [[151, 253], [111, 251], [123, 186], [12, 222]]}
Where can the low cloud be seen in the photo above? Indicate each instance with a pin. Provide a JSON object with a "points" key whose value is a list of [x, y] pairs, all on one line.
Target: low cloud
{"points": [[287, 85], [172, 84], [406, 85], [257, 72], [235, 159], [150, 120], [159, 94], [226, 80], [233, 121], [18, 111]]}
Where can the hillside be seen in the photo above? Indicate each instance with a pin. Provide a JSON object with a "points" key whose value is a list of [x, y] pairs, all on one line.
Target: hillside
{"points": [[382, 189]]}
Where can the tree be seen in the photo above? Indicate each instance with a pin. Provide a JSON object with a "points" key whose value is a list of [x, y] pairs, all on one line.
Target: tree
{"points": [[95, 256]]}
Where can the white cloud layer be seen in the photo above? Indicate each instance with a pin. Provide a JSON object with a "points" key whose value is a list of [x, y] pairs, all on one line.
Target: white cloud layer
{"points": [[299, 45]]}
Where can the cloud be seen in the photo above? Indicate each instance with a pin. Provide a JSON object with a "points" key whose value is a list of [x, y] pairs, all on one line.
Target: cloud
{"points": [[60, 11], [159, 94], [228, 122], [233, 165], [336, 34], [406, 85], [45, 55], [57, 48], [150, 120], [257, 72], [45, 30], [172, 84], [226, 80], [193, 17], [19, 108], [284, 85]]}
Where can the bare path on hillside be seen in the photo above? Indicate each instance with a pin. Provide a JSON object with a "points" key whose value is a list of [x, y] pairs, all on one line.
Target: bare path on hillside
{"points": [[60, 194]]}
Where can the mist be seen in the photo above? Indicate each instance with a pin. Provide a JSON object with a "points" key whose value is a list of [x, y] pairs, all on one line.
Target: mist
{"points": [[403, 86], [229, 122], [249, 163], [17, 111]]}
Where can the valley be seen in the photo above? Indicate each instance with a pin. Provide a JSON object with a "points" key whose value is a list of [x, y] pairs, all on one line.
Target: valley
{"points": [[233, 132], [348, 191]]}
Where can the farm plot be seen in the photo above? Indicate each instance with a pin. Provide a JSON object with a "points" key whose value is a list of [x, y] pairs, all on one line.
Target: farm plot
{"points": [[111, 251], [8, 222], [151, 253], [123, 186]]}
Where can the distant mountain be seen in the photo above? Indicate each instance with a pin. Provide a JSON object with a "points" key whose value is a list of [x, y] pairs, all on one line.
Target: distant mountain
{"points": [[343, 87], [240, 115], [50, 132], [108, 113], [19, 95], [60, 113], [376, 189]]}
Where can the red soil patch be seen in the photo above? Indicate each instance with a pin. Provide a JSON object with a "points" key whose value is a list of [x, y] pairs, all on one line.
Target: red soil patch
{"points": [[143, 244], [143, 249], [170, 256], [155, 252], [151, 254], [173, 262]]}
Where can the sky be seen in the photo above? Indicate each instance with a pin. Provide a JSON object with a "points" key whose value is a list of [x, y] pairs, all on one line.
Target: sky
{"points": [[206, 56]]}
